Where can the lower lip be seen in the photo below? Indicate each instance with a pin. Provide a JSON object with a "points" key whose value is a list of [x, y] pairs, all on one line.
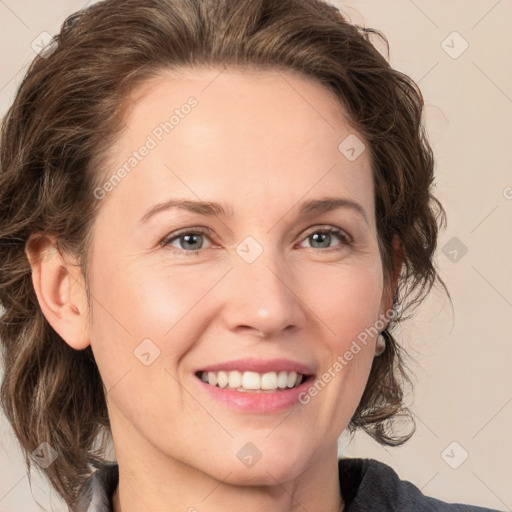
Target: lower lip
{"points": [[257, 402]]}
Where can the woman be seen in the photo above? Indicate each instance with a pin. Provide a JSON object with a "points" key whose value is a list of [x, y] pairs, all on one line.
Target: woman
{"points": [[213, 213]]}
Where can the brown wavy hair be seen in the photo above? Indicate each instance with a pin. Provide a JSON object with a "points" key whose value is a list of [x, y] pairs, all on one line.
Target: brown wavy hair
{"points": [[55, 142]]}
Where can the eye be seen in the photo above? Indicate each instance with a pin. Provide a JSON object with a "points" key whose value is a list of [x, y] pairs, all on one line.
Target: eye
{"points": [[190, 241], [187, 239], [323, 237]]}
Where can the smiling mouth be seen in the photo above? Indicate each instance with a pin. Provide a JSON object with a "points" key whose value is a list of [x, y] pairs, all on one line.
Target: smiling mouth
{"points": [[253, 382]]}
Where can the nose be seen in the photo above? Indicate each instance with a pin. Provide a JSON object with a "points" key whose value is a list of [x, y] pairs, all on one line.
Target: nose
{"points": [[262, 297]]}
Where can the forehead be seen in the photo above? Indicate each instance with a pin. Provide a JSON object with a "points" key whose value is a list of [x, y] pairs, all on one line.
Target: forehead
{"points": [[281, 91], [270, 134]]}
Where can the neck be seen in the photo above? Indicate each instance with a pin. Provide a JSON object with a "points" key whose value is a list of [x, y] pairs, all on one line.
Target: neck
{"points": [[337, 505]]}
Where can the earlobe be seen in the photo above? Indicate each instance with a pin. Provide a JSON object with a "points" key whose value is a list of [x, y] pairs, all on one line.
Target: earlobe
{"points": [[59, 292]]}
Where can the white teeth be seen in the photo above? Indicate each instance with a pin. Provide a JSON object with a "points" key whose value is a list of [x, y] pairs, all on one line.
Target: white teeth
{"points": [[269, 380], [292, 379], [235, 379], [252, 381], [222, 379], [282, 379]]}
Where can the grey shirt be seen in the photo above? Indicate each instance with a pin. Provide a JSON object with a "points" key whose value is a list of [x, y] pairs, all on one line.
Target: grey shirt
{"points": [[365, 484]]}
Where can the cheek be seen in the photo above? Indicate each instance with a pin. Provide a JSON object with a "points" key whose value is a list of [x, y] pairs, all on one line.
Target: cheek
{"points": [[149, 302], [348, 306], [347, 298]]}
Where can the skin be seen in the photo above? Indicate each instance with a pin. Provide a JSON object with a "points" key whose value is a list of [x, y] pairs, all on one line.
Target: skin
{"points": [[260, 144]]}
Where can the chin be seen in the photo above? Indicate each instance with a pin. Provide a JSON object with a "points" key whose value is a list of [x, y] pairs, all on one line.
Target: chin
{"points": [[268, 470], [262, 475]]}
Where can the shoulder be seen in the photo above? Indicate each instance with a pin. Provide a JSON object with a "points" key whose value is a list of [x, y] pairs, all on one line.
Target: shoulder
{"points": [[368, 484]]}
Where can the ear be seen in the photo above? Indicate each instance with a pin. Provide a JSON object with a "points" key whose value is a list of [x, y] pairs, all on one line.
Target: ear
{"points": [[398, 260], [59, 287]]}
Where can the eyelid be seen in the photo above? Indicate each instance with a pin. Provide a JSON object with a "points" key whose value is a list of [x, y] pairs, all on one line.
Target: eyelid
{"points": [[329, 229], [199, 230]]}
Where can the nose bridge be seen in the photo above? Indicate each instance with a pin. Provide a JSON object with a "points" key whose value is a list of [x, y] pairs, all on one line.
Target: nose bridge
{"points": [[261, 294]]}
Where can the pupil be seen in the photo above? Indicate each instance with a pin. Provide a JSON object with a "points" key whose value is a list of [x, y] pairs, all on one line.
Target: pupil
{"points": [[188, 238], [317, 235]]}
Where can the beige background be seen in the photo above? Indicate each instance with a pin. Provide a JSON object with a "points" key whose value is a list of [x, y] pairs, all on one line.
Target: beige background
{"points": [[463, 391]]}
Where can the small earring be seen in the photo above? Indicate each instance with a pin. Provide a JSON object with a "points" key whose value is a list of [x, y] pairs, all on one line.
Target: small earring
{"points": [[380, 346]]}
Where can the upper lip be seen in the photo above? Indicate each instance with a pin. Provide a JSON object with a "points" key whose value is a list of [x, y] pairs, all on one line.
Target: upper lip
{"points": [[259, 366]]}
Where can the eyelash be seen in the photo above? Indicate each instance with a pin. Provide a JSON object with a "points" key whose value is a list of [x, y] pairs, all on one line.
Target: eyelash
{"points": [[342, 235]]}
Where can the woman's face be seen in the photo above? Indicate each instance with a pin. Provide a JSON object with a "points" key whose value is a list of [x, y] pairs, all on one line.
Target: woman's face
{"points": [[263, 281]]}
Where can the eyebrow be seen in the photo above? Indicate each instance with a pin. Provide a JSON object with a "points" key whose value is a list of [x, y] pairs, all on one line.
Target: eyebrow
{"points": [[208, 208]]}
